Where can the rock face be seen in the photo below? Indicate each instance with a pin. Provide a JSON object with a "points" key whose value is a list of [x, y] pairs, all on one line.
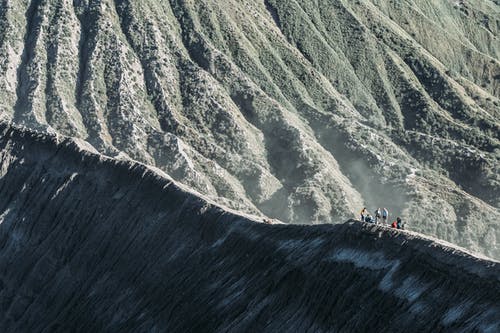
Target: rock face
{"points": [[304, 111], [90, 243]]}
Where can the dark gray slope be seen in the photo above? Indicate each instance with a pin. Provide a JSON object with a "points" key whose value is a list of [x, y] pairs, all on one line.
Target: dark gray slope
{"points": [[93, 244]]}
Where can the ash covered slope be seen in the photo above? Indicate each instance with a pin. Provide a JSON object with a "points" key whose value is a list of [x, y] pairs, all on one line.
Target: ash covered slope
{"points": [[300, 110], [93, 244]]}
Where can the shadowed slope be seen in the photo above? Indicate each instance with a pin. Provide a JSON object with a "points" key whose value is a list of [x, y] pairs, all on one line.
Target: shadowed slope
{"points": [[90, 243]]}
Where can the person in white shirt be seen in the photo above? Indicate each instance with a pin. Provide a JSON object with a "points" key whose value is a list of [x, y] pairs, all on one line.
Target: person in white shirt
{"points": [[385, 215]]}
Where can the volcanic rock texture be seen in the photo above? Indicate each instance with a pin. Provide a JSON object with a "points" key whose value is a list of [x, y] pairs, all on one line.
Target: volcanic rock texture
{"points": [[304, 111], [93, 244]]}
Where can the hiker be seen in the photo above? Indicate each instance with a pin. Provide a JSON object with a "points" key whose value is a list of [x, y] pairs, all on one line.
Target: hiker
{"points": [[378, 215], [385, 215], [394, 225], [369, 218], [364, 212], [399, 223]]}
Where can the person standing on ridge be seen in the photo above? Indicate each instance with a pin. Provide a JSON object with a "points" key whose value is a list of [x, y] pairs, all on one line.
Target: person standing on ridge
{"points": [[364, 212], [378, 215], [385, 215], [399, 223]]}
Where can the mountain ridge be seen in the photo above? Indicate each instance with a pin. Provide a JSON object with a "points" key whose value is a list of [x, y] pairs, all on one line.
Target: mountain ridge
{"points": [[114, 245]]}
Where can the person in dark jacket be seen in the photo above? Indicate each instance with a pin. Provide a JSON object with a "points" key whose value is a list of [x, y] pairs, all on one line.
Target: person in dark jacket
{"points": [[378, 215]]}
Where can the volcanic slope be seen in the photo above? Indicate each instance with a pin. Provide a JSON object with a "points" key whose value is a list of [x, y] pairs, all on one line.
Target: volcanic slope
{"points": [[89, 243], [304, 111]]}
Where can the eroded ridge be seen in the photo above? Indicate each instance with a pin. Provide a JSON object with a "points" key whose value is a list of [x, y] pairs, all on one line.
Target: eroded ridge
{"points": [[304, 111]]}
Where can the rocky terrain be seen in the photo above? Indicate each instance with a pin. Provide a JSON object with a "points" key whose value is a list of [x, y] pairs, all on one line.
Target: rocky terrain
{"points": [[90, 243], [304, 111]]}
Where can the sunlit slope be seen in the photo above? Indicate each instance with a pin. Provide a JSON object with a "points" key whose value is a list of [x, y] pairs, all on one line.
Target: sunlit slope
{"points": [[93, 244], [301, 110]]}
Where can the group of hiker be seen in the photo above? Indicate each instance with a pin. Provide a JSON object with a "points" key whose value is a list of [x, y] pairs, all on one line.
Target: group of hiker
{"points": [[380, 217]]}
